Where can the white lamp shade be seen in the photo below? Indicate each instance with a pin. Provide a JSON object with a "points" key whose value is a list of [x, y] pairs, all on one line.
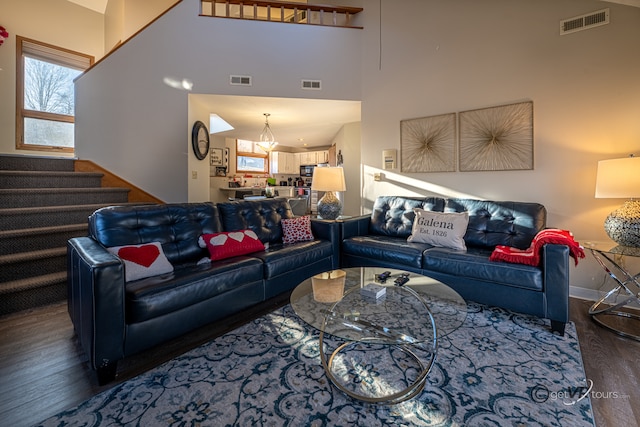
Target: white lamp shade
{"points": [[328, 179], [618, 178]]}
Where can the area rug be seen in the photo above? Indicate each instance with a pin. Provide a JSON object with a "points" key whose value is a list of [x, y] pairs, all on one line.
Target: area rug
{"points": [[498, 369]]}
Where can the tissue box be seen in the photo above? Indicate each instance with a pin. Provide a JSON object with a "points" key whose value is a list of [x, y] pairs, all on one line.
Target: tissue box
{"points": [[371, 290]]}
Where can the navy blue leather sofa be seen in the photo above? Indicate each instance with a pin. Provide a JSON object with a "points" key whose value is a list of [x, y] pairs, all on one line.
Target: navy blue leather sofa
{"points": [[380, 239], [114, 318]]}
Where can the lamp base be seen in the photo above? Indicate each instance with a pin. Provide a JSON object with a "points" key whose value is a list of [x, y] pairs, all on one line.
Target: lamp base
{"points": [[623, 224], [329, 206]]}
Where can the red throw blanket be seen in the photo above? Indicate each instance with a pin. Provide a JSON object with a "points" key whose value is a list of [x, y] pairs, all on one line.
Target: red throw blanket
{"points": [[531, 256]]}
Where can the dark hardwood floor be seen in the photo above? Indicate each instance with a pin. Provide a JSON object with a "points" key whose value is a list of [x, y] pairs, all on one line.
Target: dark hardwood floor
{"points": [[43, 371]]}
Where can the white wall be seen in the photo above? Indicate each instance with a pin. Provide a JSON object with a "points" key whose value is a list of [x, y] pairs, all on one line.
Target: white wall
{"points": [[124, 17], [459, 55], [198, 170], [114, 24], [138, 127], [57, 22], [442, 57], [348, 143]]}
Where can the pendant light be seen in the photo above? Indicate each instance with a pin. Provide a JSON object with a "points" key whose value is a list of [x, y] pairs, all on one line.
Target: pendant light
{"points": [[267, 141]]}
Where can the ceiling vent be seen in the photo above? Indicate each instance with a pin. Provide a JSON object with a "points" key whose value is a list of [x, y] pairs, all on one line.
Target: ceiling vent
{"points": [[584, 22], [312, 84], [240, 80]]}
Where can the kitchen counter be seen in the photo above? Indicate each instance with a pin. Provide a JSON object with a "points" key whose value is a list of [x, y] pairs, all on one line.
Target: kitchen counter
{"points": [[239, 192]]}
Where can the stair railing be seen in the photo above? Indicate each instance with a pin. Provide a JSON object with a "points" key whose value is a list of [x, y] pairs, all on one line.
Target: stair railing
{"points": [[279, 11]]}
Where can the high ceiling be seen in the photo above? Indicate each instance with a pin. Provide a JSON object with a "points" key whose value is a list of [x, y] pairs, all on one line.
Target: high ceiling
{"points": [[101, 5], [294, 122]]}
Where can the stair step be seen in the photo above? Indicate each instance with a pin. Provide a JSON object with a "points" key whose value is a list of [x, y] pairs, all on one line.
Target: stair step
{"points": [[48, 179], [31, 163], [23, 294], [31, 264], [32, 197], [33, 282], [43, 203], [32, 239], [43, 216]]}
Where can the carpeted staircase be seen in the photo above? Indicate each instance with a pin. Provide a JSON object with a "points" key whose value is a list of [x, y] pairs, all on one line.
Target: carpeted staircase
{"points": [[43, 203]]}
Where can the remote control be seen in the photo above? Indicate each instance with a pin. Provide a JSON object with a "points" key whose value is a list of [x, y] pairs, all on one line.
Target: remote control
{"points": [[404, 278], [382, 277]]}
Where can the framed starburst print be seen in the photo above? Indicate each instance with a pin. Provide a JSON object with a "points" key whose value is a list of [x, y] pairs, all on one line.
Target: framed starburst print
{"points": [[496, 138], [428, 144]]}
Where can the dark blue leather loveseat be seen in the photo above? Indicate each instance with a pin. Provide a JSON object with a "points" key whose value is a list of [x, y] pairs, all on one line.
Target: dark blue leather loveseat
{"points": [[380, 239], [114, 318]]}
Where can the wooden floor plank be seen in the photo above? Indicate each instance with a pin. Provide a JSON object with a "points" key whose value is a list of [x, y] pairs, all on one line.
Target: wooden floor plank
{"points": [[43, 370]]}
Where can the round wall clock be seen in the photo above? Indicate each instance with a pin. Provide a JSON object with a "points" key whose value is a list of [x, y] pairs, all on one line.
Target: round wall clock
{"points": [[200, 140]]}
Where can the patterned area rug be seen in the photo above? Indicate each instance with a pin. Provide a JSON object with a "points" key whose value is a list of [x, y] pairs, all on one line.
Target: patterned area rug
{"points": [[498, 369]]}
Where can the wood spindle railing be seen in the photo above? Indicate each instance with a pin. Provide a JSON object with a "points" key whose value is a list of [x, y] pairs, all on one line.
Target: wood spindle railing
{"points": [[279, 11]]}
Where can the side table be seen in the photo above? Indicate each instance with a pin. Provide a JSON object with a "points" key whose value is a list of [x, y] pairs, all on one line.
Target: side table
{"points": [[627, 289]]}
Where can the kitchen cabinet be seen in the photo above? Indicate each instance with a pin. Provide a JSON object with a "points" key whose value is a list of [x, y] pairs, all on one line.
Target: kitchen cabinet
{"points": [[296, 164], [307, 158], [313, 157], [283, 163], [322, 156]]}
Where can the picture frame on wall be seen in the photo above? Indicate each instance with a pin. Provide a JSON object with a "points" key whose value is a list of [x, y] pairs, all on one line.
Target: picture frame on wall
{"points": [[217, 157], [428, 144], [496, 138], [221, 171]]}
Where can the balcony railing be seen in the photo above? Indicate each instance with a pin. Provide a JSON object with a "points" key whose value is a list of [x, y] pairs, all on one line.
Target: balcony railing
{"points": [[279, 11]]}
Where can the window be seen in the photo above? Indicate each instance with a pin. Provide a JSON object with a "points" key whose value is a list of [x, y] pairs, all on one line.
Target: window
{"points": [[251, 158], [45, 95]]}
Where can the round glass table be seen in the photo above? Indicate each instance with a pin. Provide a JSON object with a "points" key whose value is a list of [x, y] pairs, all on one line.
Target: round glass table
{"points": [[379, 330]]}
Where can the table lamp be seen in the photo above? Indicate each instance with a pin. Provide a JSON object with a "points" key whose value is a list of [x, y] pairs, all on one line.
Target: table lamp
{"points": [[620, 178], [328, 179]]}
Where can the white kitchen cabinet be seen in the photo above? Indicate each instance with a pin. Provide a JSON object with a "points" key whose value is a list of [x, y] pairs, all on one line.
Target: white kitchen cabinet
{"points": [[308, 158], [296, 163], [312, 158], [283, 163], [322, 156], [291, 164]]}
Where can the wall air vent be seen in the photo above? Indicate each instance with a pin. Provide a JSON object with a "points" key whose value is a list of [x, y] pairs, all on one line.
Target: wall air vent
{"points": [[312, 84], [240, 80], [584, 22]]}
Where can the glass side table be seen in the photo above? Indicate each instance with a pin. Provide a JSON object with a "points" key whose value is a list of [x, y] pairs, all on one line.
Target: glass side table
{"points": [[610, 257]]}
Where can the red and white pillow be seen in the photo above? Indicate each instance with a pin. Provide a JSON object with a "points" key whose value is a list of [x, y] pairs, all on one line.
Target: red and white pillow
{"points": [[296, 229], [228, 244], [142, 261]]}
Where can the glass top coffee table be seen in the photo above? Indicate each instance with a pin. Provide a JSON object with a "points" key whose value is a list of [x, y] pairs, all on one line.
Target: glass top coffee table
{"points": [[378, 348]]}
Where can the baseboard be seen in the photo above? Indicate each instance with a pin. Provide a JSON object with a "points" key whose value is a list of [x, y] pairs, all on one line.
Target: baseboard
{"points": [[595, 295], [584, 293]]}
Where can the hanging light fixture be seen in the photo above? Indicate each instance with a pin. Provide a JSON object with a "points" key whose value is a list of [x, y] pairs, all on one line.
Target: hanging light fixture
{"points": [[267, 141]]}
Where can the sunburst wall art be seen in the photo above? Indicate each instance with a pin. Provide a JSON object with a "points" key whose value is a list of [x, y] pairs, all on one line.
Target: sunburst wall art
{"points": [[428, 144], [497, 138]]}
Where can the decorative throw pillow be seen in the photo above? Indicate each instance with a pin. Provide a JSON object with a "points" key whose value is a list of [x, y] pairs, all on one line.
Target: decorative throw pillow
{"points": [[228, 244], [142, 261], [296, 229], [445, 229]]}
